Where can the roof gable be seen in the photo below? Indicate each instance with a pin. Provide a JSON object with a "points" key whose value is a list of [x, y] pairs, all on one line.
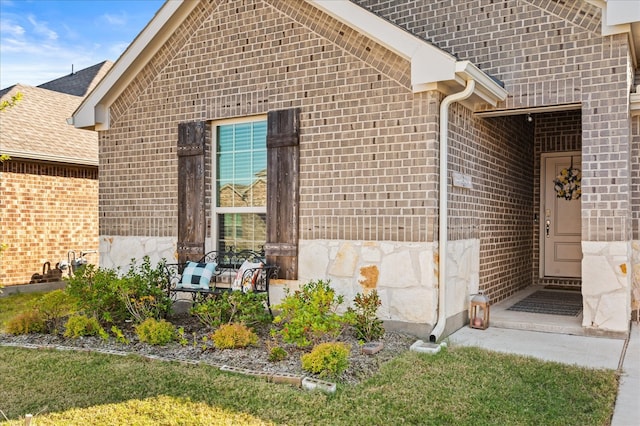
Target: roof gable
{"points": [[431, 68]]}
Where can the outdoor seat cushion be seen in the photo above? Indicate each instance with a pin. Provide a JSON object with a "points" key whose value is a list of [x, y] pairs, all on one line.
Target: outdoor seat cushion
{"points": [[246, 283], [197, 275]]}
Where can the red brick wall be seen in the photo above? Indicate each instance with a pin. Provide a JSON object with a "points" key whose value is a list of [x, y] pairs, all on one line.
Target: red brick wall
{"points": [[45, 211]]}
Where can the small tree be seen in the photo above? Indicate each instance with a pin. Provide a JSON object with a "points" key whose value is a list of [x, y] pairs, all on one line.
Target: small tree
{"points": [[6, 104]]}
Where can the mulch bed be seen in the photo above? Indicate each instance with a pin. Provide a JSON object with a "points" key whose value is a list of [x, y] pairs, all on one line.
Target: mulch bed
{"points": [[361, 366]]}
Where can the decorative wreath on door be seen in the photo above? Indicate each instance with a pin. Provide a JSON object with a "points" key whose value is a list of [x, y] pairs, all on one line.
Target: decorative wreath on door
{"points": [[568, 183]]}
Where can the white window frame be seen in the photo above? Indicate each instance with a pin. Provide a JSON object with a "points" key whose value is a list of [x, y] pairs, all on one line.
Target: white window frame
{"points": [[215, 210]]}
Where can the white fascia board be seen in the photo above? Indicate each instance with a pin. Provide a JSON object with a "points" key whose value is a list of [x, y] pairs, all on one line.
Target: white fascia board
{"points": [[622, 12], [93, 112], [365, 22], [427, 68], [487, 88], [620, 17], [634, 104], [428, 63], [617, 15]]}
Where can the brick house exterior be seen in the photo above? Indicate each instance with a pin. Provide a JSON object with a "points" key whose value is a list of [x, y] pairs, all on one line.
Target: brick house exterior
{"points": [[49, 187], [542, 81]]}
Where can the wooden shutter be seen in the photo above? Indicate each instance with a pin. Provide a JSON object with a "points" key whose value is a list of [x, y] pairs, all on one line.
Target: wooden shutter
{"points": [[191, 214], [283, 165]]}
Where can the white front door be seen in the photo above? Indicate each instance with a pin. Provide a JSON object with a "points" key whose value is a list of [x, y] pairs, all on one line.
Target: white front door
{"points": [[561, 215]]}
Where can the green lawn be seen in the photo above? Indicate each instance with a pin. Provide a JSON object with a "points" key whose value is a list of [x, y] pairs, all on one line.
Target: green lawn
{"points": [[459, 386]]}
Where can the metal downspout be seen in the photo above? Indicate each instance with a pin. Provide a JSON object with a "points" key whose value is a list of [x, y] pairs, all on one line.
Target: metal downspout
{"points": [[444, 195]]}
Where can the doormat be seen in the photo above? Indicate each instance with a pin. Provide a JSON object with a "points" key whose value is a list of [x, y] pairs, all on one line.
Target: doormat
{"points": [[562, 287], [551, 303]]}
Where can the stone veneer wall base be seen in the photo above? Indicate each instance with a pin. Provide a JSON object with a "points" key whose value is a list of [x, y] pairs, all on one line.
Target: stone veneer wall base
{"points": [[606, 286], [117, 251]]}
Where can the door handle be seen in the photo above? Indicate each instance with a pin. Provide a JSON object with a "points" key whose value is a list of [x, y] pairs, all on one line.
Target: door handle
{"points": [[547, 227]]}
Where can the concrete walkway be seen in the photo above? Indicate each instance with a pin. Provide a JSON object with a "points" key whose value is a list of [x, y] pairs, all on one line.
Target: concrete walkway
{"points": [[627, 411], [591, 352]]}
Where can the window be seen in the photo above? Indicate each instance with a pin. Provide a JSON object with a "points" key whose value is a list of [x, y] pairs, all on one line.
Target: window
{"points": [[241, 184]]}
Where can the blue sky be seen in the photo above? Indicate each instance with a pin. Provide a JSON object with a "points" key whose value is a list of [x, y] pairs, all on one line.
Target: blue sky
{"points": [[40, 40]]}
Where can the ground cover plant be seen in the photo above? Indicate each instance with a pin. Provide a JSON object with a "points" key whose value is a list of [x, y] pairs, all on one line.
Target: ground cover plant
{"points": [[461, 386], [327, 359], [30, 321], [233, 336], [156, 332], [81, 325]]}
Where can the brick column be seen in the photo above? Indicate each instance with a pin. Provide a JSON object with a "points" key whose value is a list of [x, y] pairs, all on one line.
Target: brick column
{"points": [[606, 193]]}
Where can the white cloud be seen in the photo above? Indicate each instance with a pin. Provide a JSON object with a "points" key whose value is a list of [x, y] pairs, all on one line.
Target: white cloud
{"points": [[36, 63], [117, 20], [27, 48], [36, 47], [42, 28], [70, 33], [8, 27]]}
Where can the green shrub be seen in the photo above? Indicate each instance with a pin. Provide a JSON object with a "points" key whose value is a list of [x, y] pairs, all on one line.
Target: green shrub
{"points": [[156, 332], [54, 307], [236, 306], [232, 336], [26, 322], [139, 294], [82, 325], [277, 353], [366, 323], [309, 315], [143, 291], [97, 293], [327, 359]]}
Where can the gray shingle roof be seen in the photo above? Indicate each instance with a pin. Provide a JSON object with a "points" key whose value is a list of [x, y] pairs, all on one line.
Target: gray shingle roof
{"points": [[79, 83]]}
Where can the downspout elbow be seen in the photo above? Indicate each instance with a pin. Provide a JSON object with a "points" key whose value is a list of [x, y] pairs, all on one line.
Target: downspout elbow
{"points": [[443, 205]]}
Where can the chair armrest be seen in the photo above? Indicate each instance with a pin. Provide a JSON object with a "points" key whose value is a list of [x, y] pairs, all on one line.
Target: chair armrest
{"points": [[173, 275], [260, 277]]}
